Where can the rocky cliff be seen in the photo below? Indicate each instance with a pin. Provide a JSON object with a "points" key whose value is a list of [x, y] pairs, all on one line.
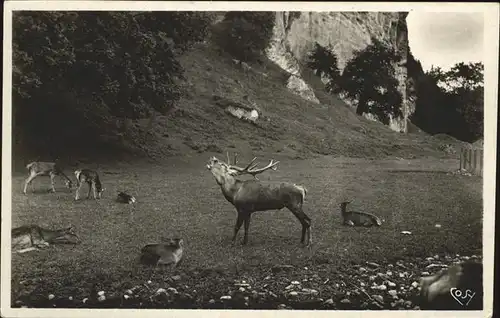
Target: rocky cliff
{"points": [[296, 32]]}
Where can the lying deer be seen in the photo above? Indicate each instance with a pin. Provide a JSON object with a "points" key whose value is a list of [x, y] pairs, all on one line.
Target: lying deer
{"points": [[163, 253], [353, 218], [123, 197], [33, 237], [40, 168], [92, 179], [250, 196], [459, 287]]}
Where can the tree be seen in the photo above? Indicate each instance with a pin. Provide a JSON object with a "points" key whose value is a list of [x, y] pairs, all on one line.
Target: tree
{"points": [[370, 79], [325, 64], [245, 35]]}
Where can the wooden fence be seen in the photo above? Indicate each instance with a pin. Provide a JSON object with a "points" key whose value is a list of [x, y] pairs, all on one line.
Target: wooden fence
{"points": [[471, 160]]}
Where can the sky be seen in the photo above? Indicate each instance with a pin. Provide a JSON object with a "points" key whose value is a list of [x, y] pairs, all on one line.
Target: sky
{"points": [[446, 38]]}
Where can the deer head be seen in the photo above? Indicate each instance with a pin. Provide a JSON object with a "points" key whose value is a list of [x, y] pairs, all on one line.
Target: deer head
{"points": [[222, 169]]}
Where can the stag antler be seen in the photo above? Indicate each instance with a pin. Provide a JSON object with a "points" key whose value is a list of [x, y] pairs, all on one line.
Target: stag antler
{"points": [[250, 168]]}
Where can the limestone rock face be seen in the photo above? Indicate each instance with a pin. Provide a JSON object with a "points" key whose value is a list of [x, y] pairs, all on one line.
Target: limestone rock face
{"points": [[296, 32]]}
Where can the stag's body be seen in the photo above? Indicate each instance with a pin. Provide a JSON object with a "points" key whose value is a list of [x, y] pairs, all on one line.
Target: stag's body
{"points": [[41, 168], [90, 177], [251, 196], [353, 218]]}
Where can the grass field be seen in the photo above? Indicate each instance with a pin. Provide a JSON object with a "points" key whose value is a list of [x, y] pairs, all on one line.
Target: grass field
{"points": [[181, 198]]}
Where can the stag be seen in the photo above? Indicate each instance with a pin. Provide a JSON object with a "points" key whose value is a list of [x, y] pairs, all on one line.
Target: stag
{"points": [[249, 196]]}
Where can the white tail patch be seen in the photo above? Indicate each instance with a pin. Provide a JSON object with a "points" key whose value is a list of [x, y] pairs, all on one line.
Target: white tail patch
{"points": [[303, 190], [77, 174]]}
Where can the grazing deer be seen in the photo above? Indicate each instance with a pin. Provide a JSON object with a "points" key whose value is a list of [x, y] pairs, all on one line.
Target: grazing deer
{"points": [[125, 198], [33, 237], [353, 218], [163, 253], [459, 287], [250, 196], [92, 179], [40, 168]]}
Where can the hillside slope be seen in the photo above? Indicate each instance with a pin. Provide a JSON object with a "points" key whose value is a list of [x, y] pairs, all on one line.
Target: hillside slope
{"points": [[289, 124]]}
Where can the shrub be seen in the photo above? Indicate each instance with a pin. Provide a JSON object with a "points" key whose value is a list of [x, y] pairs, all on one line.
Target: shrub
{"points": [[245, 35], [325, 63]]}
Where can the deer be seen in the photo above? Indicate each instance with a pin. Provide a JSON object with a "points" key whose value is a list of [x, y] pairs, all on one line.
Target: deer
{"points": [[42, 168], [458, 287], [353, 218], [123, 197], [90, 177], [169, 254], [249, 196], [28, 238]]}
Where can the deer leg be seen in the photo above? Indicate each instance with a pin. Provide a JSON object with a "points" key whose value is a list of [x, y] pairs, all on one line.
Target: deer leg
{"points": [[306, 223], [52, 177], [90, 189], [77, 190], [247, 226], [28, 181], [239, 222], [95, 191]]}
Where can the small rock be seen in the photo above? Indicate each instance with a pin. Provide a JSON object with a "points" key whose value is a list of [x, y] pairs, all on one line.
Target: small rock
{"points": [[225, 297], [126, 296], [414, 284], [390, 265], [273, 295], [70, 297], [241, 289], [430, 259], [389, 273], [289, 287], [101, 293], [161, 290], [393, 292], [293, 293], [84, 300], [438, 226], [305, 268], [176, 277], [362, 284], [393, 304], [328, 302], [281, 306], [362, 269], [416, 308], [243, 281], [372, 278], [172, 290], [372, 264], [337, 285], [149, 282], [465, 258], [314, 291], [408, 304], [295, 282], [101, 298], [391, 284], [425, 274], [345, 301], [51, 296], [211, 301], [267, 277], [348, 293], [382, 287]]}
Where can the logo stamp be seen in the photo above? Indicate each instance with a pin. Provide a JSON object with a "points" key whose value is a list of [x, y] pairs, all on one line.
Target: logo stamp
{"points": [[462, 300]]}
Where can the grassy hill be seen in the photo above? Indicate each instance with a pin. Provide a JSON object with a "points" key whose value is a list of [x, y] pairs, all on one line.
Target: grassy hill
{"points": [[289, 125]]}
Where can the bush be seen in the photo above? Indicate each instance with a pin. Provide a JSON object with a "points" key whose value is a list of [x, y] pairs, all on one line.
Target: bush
{"points": [[370, 79], [245, 35]]}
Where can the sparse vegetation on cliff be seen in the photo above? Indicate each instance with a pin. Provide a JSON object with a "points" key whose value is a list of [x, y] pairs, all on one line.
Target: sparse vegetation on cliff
{"points": [[325, 64]]}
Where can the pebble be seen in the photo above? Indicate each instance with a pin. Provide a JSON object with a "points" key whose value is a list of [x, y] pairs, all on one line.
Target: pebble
{"points": [[362, 284], [211, 301], [101, 298], [293, 293], [126, 296], [161, 290], [225, 297], [295, 282], [172, 290], [70, 297], [362, 269], [328, 302], [392, 292], [436, 256], [51, 296], [408, 303], [389, 273], [372, 264], [391, 284], [267, 277], [243, 281], [390, 266], [149, 282], [241, 289], [129, 291], [382, 287], [414, 284], [288, 287], [372, 278], [271, 294], [378, 298], [345, 301], [101, 293], [176, 277], [281, 306], [425, 273], [84, 300]]}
